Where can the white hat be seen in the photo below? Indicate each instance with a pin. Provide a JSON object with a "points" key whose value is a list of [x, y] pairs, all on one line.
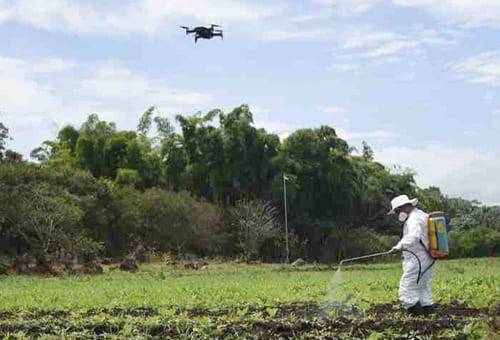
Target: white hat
{"points": [[400, 201]]}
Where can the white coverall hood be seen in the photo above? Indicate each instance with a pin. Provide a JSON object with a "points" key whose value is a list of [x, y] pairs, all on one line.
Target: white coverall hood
{"points": [[411, 292]]}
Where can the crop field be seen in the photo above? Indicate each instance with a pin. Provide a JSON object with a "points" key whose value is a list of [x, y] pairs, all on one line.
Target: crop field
{"points": [[250, 301]]}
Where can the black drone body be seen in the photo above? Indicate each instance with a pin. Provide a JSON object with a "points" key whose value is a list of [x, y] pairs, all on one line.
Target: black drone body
{"points": [[202, 32]]}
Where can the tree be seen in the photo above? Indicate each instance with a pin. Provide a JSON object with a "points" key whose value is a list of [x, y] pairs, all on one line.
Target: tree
{"points": [[4, 136], [367, 152], [325, 178], [48, 221], [127, 177], [117, 152], [203, 144], [90, 147], [12, 157], [248, 156], [431, 199], [255, 222], [164, 127], [145, 122], [68, 136], [174, 161]]}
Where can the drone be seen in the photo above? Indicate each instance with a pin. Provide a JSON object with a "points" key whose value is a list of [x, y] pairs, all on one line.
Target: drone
{"points": [[201, 32]]}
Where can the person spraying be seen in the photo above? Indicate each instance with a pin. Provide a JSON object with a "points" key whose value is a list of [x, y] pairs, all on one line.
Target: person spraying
{"points": [[415, 292]]}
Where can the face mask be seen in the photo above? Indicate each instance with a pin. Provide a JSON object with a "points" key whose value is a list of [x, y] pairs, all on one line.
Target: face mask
{"points": [[402, 216]]}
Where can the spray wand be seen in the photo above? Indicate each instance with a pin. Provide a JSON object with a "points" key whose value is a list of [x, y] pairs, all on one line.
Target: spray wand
{"points": [[363, 257]]}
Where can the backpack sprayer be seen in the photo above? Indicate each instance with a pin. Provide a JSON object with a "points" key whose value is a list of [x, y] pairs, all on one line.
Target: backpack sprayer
{"points": [[438, 244]]}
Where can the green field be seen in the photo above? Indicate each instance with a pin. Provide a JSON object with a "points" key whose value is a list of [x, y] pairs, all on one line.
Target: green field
{"points": [[251, 301]]}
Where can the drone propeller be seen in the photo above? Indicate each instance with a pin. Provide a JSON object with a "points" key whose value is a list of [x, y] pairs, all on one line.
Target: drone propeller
{"points": [[186, 28], [213, 25]]}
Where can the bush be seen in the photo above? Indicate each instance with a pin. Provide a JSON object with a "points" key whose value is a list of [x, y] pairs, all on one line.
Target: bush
{"points": [[169, 221], [478, 242]]}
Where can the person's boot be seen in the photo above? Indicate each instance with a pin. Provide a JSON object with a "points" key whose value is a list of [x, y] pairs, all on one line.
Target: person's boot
{"points": [[416, 310], [428, 310]]}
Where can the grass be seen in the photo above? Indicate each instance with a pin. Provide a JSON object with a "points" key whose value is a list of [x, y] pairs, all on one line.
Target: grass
{"points": [[245, 290]]}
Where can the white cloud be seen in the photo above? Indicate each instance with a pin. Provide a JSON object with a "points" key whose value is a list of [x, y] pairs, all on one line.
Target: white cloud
{"points": [[280, 35], [367, 38], [345, 68], [52, 65], [310, 17], [457, 171], [404, 77], [119, 17], [19, 91], [375, 136], [263, 118], [470, 12], [347, 8], [482, 68], [489, 96], [113, 83], [33, 94], [333, 109], [383, 46], [5, 14]]}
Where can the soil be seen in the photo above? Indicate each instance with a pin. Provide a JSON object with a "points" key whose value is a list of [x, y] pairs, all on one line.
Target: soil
{"points": [[300, 320]]}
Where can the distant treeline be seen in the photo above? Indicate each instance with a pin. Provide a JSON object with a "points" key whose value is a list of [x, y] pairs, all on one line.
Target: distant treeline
{"points": [[213, 187]]}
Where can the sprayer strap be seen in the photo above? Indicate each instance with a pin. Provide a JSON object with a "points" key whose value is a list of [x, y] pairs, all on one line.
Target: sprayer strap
{"points": [[429, 267], [419, 275]]}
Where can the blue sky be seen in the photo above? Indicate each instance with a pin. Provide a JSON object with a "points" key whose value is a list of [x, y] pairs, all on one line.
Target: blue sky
{"points": [[417, 79]]}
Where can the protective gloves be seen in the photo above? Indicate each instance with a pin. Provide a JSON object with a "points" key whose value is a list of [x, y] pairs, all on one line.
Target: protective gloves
{"points": [[395, 248]]}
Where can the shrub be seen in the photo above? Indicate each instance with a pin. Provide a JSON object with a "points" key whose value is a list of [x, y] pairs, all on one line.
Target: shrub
{"points": [[171, 221], [477, 242]]}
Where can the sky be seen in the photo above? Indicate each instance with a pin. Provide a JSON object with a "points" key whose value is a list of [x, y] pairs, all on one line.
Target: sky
{"points": [[418, 80]]}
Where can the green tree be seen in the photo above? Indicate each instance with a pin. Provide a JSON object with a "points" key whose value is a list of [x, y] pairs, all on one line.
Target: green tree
{"points": [[68, 136], [47, 219], [145, 121], [325, 179], [127, 177], [248, 156], [431, 199], [367, 152], [90, 147], [203, 144]]}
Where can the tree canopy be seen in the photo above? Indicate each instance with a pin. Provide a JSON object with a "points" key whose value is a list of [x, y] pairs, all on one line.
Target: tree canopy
{"points": [[173, 185]]}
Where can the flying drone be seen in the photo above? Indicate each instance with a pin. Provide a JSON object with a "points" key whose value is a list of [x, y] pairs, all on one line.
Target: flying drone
{"points": [[202, 32]]}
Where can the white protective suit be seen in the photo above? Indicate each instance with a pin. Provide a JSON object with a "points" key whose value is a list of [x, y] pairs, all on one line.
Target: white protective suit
{"points": [[411, 292]]}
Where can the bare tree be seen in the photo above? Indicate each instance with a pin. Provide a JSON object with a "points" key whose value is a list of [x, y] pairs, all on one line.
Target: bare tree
{"points": [[255, 222]]}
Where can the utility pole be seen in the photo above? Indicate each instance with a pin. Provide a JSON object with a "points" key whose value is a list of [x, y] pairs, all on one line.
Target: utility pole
{"points": [[286, 220]]}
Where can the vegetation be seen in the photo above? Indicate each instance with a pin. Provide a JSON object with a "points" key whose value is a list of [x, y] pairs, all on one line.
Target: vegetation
{"points": [[211, 187], [239, 300], [97, 195]]}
